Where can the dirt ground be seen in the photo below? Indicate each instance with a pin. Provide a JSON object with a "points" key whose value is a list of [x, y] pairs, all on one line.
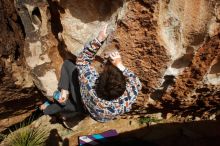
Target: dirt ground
{"points": [[132, 132]]}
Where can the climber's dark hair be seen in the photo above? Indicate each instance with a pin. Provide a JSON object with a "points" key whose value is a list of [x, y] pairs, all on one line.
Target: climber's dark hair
{"points": [[111, 83]]}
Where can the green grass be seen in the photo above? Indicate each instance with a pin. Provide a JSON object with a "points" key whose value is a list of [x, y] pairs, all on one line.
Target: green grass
{"points": [[147, 120], [24, 135], [28, 136], [16, 127]]}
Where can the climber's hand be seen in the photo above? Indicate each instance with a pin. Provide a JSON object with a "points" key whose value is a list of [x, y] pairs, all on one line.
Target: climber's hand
{"points": [[51, 99], [43, 107], [62, 100], [115, 59], [102, 34]]}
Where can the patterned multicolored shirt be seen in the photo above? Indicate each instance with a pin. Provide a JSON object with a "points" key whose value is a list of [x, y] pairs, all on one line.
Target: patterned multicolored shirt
{"points": [[100, 109]]}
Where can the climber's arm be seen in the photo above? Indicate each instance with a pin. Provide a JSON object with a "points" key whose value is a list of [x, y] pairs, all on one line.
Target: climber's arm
{"points": [[88, 53], [115, 58], [90, 50], [133, 84]]}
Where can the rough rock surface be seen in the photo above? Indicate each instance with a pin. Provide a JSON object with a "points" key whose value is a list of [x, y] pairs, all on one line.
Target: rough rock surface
{"points": [[172, 45], [157, 39], [77, 21], [17, 94]]}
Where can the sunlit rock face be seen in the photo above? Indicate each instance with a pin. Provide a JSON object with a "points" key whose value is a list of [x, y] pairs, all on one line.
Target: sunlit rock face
{"points": [[82, 20], [184, 26], [171, 45], [76, 21]]}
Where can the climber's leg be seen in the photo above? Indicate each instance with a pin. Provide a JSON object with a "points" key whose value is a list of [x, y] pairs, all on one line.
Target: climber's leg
{"points": [[69, 81]]}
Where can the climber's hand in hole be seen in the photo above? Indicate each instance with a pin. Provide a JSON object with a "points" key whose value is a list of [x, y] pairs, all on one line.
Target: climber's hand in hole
{"points": [[115, 59], [102, 34]]}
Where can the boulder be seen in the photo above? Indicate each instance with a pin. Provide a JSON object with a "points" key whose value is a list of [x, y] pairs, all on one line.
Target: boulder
{"points": [[77, 22], [168, 44]]}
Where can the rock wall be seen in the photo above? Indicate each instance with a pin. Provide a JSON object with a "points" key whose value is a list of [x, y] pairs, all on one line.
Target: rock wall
{"points": [[77, 21], [12, 44], [184, 26], [18, 96], [172, 45], [159, 40], [172, 59]]}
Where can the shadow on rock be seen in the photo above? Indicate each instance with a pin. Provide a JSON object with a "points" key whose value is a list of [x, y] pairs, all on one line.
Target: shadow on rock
{"points": [[67, 120], [91, 10], [54, 138]]}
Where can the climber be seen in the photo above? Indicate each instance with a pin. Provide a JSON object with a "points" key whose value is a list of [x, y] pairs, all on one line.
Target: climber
{"points": [[110, 93], [104, 95], [66, 100]]}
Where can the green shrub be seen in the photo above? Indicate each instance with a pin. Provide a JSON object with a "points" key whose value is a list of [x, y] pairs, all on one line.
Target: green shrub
{"points": [[28, 136], [148, 120]]}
